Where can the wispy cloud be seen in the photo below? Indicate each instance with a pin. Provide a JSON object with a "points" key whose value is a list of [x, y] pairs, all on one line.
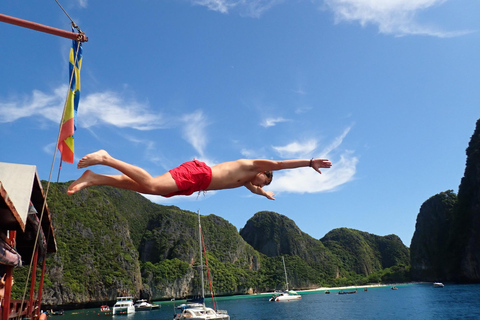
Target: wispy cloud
{"points": [[110, 108], [38, 104], [250, 8], [335, 143], [305, 180], [270, 122], [194, 131], [397, 17], [95, 109], [297, 149]]}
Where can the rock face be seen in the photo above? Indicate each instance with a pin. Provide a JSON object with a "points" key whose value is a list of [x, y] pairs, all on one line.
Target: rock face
{"points": [[173, 236], [274, 235], [446, 242], [466, 226], [429, 249], [365, 253], [114, 242]]}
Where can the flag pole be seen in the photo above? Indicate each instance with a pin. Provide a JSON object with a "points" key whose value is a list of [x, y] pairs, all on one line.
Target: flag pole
{"points": [[43, 28]]}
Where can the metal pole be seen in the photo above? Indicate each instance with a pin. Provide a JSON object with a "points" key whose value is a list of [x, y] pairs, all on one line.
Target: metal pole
{"points": [[43, 28], [201, 259]]}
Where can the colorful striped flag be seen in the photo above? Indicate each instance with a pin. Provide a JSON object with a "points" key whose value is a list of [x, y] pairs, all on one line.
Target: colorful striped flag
{"points": [[65, 144]]}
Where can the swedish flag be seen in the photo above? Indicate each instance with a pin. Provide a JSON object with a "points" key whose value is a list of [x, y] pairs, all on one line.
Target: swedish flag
{"points": [[66, 143]]}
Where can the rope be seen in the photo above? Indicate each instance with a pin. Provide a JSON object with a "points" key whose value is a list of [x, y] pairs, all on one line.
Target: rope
{"points": [[71, 20], [48, 185], [208, 271]]}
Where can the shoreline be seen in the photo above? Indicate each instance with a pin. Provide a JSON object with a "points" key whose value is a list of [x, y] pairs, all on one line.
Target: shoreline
{"points": [[352, 287]]}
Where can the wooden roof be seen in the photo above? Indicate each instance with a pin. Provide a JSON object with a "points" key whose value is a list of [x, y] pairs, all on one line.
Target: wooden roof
{"points": [[20, 185]]}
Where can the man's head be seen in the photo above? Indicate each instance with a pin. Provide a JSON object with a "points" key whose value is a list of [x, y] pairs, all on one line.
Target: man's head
{"points": [[262, 179]]}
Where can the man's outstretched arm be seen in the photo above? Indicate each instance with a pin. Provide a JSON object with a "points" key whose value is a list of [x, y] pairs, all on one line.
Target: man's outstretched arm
{"points": [[274, 165], [257, 190]]}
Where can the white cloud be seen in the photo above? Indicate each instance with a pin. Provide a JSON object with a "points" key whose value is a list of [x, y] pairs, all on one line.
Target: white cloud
{"points": [[391, 16], [94, 109], [396, 17], [270, 122], [306, 180], [109, 108], [250, 8], [335, 143], [194, 130], [38, 104], [297, 149]]}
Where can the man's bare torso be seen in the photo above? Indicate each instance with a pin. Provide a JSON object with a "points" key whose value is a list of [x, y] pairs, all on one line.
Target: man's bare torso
{"points": [[232, 174]]}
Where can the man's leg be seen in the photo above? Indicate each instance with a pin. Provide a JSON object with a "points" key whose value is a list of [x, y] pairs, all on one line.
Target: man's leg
{"points": [[133, 178]]}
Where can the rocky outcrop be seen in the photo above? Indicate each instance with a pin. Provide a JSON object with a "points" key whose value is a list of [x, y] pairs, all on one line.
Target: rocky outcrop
{"points": [[429, 249], [274, 235], [465, 233], [446, 242], [366, 253], [114, 242]]}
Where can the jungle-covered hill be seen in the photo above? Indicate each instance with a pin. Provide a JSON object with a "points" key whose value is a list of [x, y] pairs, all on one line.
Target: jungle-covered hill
{"points": [[114, 242]]}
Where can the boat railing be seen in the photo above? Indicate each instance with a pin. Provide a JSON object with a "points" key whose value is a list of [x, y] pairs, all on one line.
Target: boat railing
{"points": [[15, 311]]}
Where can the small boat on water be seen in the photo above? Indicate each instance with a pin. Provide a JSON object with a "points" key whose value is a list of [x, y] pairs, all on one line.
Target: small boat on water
{"points": [[347, 292], [438, 285], [124, 305], [287, 295], [394, 288], [104, 308], [195, 309], [54, 313], [144, 305], [198, 311]]}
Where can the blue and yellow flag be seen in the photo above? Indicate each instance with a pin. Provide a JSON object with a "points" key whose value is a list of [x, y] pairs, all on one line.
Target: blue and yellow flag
{"points": [[65, 144]]}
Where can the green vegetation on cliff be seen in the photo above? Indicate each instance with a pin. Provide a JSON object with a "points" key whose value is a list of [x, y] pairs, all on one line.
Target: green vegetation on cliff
{"points": [[113, 242]]}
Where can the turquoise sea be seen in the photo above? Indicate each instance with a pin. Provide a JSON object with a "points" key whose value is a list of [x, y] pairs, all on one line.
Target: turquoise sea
{"points": [[412, 301]]}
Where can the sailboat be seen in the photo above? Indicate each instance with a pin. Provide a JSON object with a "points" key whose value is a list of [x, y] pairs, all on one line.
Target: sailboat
{"points": [[195, 309], [286, 295]]}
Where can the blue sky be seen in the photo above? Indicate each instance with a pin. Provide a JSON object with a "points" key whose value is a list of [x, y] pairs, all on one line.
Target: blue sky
{"points": [[387, 90]]}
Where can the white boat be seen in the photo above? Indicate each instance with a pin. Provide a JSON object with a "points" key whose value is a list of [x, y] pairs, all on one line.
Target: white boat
{"points": [[196, 309], [286, 295], [124, 305], [438, 285], [144, 305]]}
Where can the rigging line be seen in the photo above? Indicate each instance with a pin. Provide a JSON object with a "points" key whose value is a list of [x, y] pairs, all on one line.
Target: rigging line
{"points": [[73, 23], [208, 271], [48, 183]]}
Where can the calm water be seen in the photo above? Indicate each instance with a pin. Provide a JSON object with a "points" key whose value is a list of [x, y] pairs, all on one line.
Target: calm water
{"points": [[420, 301]]}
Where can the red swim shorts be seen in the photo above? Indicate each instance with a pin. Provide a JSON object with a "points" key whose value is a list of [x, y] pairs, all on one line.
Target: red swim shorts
{"points": [[190, 177]]}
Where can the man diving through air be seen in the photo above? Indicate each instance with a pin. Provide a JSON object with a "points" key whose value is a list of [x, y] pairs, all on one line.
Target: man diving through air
{"points": [[190, 176]]}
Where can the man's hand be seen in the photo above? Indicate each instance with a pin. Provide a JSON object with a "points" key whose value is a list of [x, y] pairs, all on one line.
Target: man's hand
{"points": [[270, 195], [316, 164]]}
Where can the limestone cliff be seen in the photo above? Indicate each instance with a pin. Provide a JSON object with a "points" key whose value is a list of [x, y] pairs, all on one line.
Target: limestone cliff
{"points": [[429, 249], [465, 245], [446, 242], [366, 253]]}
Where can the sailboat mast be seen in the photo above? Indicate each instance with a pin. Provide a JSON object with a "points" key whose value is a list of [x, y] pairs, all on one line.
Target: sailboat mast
{"points": [[200, 251], [285, 269]]}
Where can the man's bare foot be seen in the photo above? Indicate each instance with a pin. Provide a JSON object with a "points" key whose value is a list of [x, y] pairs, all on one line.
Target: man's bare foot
{"points": [[94, 158], [81, 183]]}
